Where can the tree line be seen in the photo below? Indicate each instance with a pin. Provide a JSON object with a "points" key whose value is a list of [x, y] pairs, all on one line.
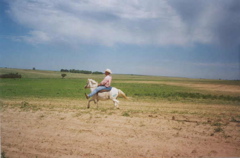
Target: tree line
{"points": [[81, 71], [11, 75]]}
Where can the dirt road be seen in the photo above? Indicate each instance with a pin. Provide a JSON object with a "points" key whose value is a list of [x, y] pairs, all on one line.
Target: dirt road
{"points": [[59, 129]]}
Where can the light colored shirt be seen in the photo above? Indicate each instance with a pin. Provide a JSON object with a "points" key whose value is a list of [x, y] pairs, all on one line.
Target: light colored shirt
{"points": [[107, 81]]}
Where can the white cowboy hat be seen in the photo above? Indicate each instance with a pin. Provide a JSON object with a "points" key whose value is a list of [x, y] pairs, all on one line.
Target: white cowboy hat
{"points": [[108, 70]]}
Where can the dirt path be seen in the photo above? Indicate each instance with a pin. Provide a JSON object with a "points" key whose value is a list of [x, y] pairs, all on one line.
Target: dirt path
{"points": [[65, 131]]}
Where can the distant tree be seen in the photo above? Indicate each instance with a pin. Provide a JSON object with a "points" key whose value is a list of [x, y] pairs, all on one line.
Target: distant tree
{"points": [[80, 71], [97, 72], [34, 68], [64, 70], [64, 75]]}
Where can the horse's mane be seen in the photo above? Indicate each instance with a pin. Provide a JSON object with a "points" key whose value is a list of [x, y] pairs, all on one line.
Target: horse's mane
{"points": [[92, 81]]}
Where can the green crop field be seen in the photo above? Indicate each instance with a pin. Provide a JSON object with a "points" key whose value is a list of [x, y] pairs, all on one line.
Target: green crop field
{"points": [[49, 84]]}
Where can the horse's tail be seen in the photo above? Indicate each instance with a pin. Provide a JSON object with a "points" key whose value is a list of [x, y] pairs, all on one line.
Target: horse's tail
{"points": [[122, 94]]}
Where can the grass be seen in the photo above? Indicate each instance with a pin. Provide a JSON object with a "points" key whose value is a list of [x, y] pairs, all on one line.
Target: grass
{"points": [[49, 84], [42, 88], [161, 91], [126, 114]]}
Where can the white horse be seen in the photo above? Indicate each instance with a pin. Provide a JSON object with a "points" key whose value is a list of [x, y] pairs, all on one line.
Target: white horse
{"points": [[104, 95]]}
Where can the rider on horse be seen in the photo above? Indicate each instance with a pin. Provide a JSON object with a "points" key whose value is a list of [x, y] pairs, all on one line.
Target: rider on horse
{"points": [[104, 85]]}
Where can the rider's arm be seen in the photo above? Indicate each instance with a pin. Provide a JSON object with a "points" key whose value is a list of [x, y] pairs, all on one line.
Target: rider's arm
{"points": [[105, 81]]}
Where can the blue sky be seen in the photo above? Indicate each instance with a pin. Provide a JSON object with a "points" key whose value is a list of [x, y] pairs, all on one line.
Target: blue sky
{"points": [[196, 39]]}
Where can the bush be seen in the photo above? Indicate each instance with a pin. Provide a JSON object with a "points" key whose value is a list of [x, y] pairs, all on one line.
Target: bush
{"points": [[11, 75], [3, 155], [63, 75]]}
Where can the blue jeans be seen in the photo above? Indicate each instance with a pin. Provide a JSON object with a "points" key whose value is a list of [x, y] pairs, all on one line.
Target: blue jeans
{"points": [[99, 88]]}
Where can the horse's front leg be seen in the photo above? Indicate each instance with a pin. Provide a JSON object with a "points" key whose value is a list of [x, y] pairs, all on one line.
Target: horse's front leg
{"points": [[95, 98], [89, 103], [96, 102]]}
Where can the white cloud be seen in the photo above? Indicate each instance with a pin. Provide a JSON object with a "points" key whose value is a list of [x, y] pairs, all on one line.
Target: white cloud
{"points": [[37, 37], [109, 22]]}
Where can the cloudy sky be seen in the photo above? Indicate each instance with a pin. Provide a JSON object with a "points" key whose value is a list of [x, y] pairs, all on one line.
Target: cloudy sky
{"points": [[184, 38]]}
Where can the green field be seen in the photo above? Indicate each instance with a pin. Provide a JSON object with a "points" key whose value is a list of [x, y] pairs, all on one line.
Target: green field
{"points": [[49, 84]]}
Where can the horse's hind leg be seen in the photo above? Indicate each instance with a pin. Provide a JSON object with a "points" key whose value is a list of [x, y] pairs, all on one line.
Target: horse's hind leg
{"points": [[116, 102]]}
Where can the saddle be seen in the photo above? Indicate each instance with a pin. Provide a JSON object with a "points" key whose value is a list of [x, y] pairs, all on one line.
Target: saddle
{"points": [[105, 90]]}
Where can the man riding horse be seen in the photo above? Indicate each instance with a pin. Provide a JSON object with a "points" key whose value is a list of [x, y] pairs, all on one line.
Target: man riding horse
{"points": [[104, 85]]}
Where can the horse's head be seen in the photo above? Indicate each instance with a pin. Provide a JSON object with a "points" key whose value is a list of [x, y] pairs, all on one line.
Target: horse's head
{"points": [[91, 84]]}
